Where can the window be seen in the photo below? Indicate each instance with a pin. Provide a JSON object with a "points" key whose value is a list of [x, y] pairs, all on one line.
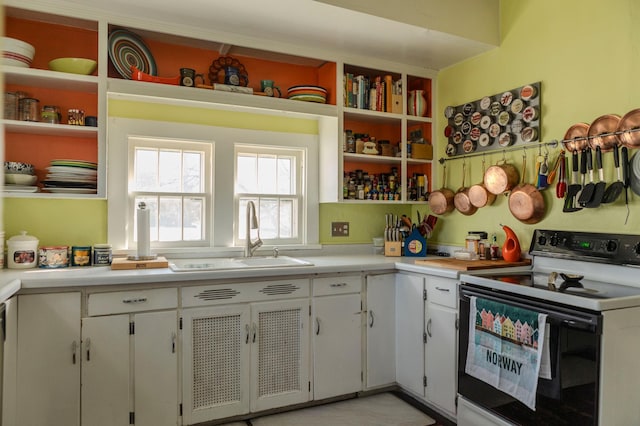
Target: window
{"points": [[172, 178], [271, 178]]}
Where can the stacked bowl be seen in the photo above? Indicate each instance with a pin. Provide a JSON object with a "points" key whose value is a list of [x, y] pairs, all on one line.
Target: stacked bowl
{"points": [[308, 93], [17, 53], [19, 177]]}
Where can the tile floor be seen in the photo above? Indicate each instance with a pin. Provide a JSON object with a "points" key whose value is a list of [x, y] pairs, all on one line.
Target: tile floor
{"points": [[383, 409]]}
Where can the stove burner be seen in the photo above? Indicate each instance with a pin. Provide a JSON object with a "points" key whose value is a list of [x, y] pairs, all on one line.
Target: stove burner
{"points": [[570, 280]]}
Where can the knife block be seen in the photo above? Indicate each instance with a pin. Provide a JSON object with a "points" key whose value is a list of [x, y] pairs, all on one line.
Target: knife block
{"points": [[393, 248]]}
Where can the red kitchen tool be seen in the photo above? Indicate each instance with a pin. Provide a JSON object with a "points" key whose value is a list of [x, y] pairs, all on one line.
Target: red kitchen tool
{"points": [[561, 186]]}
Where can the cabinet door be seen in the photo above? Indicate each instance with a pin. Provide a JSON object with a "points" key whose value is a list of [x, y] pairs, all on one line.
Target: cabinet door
{"points": [[215, 360], [105, 371], [279, 354], [441, 356], [410, 332], [381, 360], [155, 369], [337, 348], [47, 387]]}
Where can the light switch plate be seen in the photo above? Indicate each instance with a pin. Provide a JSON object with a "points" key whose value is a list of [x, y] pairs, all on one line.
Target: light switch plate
{"points": [[339, 229]]}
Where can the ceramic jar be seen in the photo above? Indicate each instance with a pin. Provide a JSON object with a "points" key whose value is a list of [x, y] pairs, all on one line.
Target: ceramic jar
{"points": [[418, 103], [22, 251]]}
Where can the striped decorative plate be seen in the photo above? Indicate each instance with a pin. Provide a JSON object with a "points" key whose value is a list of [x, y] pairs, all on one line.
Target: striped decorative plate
{"points": [[308, 93], [127, 49]]}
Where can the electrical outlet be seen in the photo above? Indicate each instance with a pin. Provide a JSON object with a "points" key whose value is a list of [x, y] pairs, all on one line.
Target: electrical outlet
{"points": [[339, 229]]}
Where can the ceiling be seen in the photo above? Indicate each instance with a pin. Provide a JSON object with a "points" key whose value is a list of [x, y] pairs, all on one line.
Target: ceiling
{"points": [[339, 29]]}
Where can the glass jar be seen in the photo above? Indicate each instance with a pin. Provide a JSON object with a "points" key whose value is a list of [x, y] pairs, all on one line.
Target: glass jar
{"points": [[29, 109], [50, 114], [351, 142]]}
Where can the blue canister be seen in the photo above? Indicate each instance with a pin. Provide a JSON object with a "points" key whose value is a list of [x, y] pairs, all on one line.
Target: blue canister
{"points": [[80, 255]]}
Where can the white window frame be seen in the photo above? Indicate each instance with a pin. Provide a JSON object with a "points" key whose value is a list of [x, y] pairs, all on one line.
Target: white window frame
{"points": [[118, 131], [300, 156], [207, 147]]}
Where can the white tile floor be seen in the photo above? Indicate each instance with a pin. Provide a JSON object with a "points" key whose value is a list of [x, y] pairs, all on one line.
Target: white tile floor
{"points": [[377, 410]]}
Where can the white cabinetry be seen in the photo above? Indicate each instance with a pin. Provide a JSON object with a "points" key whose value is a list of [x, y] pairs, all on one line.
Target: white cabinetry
{"points": [[381, 361], [441, 319], [410, 345], [44, 382], [129, 360], [241, 356], [337, 336]]}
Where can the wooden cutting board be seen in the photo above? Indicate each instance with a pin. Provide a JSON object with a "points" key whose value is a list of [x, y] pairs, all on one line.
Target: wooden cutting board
{"points": [[124, 263], [470, 265]]}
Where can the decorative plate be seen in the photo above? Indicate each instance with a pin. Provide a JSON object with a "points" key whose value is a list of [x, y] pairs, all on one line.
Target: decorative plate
{"points": [[127, 49], [227, 61]]}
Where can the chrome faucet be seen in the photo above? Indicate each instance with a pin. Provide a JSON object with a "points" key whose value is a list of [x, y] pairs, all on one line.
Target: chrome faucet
{"points": [[252, 223]]}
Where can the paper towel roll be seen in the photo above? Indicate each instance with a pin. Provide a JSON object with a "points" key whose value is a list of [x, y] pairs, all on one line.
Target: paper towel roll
{"points": [[144, 237]]}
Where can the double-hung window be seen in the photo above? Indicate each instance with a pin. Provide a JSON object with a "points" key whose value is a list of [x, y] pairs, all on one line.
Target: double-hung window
{"points": [[173, 179], [271, 177]]}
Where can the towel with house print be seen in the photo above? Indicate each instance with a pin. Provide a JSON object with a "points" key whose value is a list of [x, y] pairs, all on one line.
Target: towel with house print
{"points": [[505, 347]]}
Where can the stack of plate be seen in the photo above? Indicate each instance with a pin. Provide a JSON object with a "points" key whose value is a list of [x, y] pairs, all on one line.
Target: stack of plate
{"points": [[308, 93], [71, 176]]}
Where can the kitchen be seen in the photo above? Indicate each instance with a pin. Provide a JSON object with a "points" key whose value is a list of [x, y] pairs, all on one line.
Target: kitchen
{"points": [[556, 48]]}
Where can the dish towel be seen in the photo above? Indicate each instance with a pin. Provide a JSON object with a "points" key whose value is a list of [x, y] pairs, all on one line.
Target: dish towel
{"points": [[505, 347]]}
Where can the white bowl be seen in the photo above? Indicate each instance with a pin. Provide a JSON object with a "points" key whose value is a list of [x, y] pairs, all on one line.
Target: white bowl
{"points": [[17, 53], [20, 179]]}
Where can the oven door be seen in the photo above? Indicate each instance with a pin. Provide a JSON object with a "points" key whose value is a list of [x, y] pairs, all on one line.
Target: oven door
{"points": [[570, 397]]}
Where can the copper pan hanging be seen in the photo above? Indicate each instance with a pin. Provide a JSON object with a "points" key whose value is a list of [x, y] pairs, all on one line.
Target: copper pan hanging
{"points": [[630, 126], [602, 132], [575, 139]]}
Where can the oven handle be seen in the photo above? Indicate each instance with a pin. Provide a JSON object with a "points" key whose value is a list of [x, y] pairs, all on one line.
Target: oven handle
{"points": [[571, 319]]}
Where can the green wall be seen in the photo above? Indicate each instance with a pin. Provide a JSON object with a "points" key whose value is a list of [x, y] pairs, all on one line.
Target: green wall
{"points": [[587, 56]]}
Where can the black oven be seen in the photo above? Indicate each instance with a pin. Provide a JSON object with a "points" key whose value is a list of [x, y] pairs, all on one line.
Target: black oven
{"points": [[570, 396]]}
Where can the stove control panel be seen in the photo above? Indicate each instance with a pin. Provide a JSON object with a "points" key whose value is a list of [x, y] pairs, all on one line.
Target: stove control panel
{"points": [[600, 247]]}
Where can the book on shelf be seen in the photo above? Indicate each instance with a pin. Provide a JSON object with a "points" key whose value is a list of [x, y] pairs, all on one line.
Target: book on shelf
{"points": [[372, 93]]}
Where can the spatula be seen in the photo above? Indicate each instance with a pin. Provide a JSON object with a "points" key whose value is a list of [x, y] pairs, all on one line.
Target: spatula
{"points": [[574, 187], [613, 191], [598, 189], [587, 190]]}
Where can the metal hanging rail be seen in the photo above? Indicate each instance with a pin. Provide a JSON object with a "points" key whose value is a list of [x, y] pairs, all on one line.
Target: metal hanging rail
{"points": [[553, 143]]}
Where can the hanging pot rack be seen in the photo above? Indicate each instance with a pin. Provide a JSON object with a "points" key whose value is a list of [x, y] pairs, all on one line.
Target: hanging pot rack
{"points": [[552, 143]]}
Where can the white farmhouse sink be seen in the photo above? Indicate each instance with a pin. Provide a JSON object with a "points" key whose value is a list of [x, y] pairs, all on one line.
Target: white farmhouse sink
{"points": [[219, 264]]}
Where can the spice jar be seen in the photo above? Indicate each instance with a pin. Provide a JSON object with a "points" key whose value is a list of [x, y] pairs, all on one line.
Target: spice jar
{"points": [[29, 109], [75, 117], [50, 114], [471, 243], [102, 255]]}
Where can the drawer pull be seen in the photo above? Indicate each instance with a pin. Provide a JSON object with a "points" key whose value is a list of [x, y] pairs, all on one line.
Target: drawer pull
{"points": [[246, 330], [336, 285], [442, 289], [317, 326], [173, 343], [88, 346], [254, 331], [429, 327], [74, 349], [371, 318], [135, 300]]}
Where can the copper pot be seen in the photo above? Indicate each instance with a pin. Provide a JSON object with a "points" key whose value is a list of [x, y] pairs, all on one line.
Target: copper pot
{"points": [[604, 125], [478, 193], [501, 177], [629, 126], [441, 201], [461, 199], [525, 201], [576, 137]]}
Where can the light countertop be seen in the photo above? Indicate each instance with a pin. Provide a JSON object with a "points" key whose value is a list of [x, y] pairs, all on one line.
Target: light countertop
{"points": [[12, 281]]}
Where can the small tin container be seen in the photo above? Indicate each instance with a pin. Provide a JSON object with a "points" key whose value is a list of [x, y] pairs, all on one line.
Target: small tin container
{"points": [[102, 255], [54, 257], [75, 117], [29, 109], [81, 256]]}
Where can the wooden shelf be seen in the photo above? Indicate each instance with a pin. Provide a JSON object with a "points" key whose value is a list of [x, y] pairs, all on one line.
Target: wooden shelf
{"points": [[50, 79]]}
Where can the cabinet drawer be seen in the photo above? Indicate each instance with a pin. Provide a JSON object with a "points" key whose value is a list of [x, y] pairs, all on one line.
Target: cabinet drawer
{"points": [[443, 291], [224, 293], [337, 285], [119, 302]]}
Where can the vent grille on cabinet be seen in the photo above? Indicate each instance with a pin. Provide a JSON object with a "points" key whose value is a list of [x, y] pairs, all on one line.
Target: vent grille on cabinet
{"points": [[216, 360], [217, 294], [279, 289], [279, 352]]}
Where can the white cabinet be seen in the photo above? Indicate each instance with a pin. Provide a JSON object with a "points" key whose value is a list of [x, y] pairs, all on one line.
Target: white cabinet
{"points": [[410, 345], [337, 336], [381, 363], [441, 319], [245, 356], [43, 384], [130, 361]]}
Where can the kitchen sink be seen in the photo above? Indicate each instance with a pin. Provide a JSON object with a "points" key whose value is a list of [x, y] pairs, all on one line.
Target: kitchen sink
{"points": [[226, 263]]}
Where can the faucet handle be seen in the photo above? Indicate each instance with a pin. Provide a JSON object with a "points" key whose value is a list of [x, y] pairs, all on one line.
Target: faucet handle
{"points": [[275, 252]]}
